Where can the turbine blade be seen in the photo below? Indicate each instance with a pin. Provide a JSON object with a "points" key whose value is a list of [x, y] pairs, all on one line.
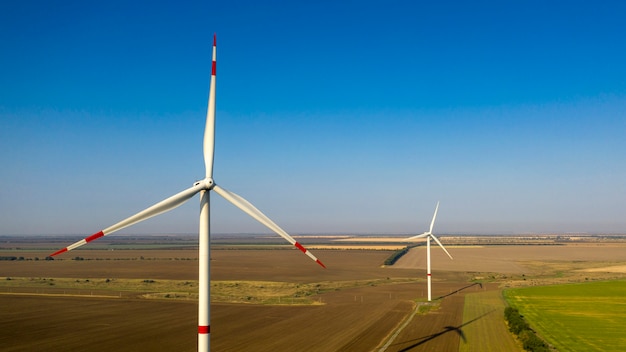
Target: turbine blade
{"points": [[417, 236], [441, 245], [163, 206], [251, 210], [432, 223], [208, 144]]}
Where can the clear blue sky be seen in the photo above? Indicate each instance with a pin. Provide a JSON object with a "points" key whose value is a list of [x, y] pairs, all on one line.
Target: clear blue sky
{"points": [[332, 117]]}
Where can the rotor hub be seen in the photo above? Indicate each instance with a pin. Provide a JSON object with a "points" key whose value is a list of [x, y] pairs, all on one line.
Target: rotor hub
{"points": [[207, 182]]}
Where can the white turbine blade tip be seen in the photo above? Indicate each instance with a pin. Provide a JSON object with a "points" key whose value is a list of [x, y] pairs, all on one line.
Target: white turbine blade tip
{"points": [[432, 223]]}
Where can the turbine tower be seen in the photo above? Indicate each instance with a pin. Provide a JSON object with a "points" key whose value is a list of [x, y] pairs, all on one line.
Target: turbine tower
{"points": [[203, 187], [428, 236]]}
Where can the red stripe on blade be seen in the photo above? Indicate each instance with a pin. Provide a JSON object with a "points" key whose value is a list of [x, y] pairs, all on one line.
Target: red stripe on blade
{"points": [[213, 69], [95, 236], [204, 329], [59, 252], [299, 246], [320, 263]]}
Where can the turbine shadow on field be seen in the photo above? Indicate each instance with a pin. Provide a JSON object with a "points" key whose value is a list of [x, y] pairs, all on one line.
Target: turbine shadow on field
{"points": [[422, 340], [461, 289]]}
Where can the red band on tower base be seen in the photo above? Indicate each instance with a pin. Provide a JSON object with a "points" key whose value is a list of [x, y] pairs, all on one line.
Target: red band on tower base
{"points": [[204, 329]]}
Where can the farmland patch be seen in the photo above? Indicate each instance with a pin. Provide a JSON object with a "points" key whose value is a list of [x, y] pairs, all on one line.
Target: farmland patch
{"points": [[483, 324], [584, 316]]}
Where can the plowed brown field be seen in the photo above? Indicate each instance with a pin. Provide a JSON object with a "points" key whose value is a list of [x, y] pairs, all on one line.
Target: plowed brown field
{"points": [[45, 323]]}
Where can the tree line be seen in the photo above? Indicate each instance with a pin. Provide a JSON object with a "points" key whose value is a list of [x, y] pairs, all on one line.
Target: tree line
{"points": [[519, 326]]}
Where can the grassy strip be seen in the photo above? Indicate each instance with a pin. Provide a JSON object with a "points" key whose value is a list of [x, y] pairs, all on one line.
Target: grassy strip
{"points": [[575, 317], [73, 286], [424, 308], [251, 292]]}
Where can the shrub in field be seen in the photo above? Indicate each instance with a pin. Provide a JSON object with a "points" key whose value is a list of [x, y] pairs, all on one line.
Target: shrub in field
{"points": [[520, 327], [533, 343], [516, 322]]}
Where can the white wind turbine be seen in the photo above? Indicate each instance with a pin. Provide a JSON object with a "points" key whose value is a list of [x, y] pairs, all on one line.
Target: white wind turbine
{"points": [[428, 236], [203, 187]]}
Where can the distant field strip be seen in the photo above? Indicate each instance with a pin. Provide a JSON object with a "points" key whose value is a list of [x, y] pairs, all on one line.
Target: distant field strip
{"points": [[608, 269], [249, 292], [576, 317], [483, 324], [57, 295]]}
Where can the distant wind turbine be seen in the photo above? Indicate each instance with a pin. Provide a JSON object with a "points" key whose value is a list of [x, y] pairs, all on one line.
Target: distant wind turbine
{"points": [[203, 187], [428, 236]]}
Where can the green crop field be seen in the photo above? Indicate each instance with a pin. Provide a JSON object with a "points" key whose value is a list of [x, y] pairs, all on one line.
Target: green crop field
{"points": [[575, 317], [483, 324]]}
